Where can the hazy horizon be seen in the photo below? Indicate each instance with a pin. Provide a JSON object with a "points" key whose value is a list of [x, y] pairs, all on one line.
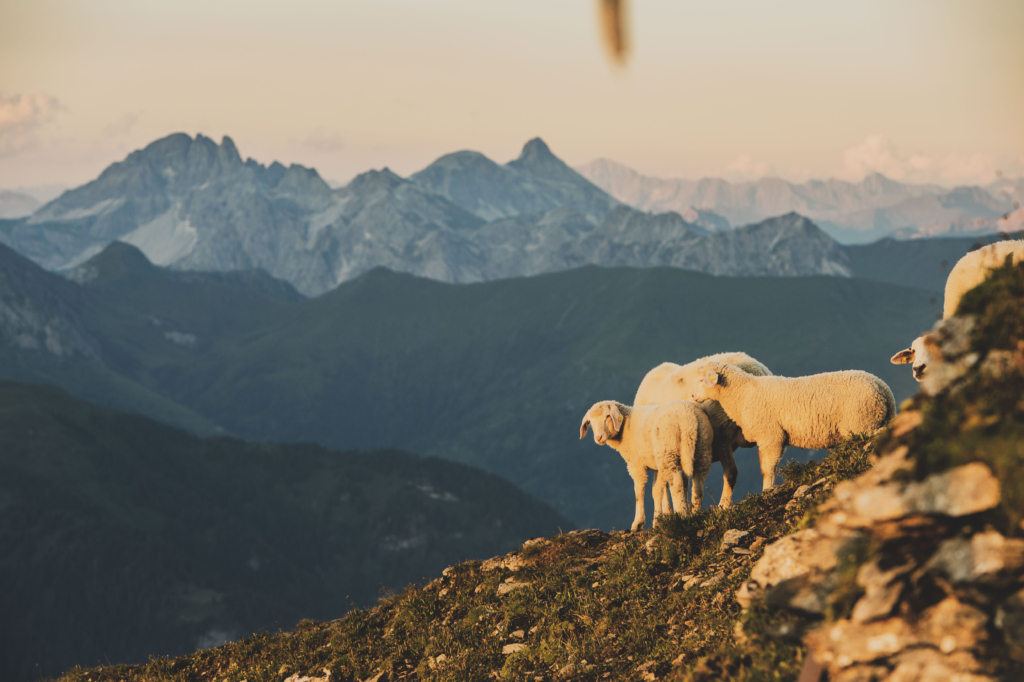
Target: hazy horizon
{"points": [[922, 92]]}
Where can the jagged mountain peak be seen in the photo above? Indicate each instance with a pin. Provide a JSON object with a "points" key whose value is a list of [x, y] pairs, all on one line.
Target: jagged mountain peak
{"points": [[536, 149], [371, 180], [790, 223], [537, 158]]}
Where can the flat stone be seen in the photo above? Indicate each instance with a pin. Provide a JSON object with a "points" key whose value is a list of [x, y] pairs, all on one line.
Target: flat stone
{"points": [[713, 580], [794, 571], [880, 593], [735, 538], [981, 557], [844, 643], [952, 625], [505, 588], [926, 664], [512, 648], [876, 603], [960, 491]]}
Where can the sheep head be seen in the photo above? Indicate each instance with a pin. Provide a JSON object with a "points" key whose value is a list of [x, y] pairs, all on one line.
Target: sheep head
{"points": [[917, 356], [606, 420], [709, 385]]}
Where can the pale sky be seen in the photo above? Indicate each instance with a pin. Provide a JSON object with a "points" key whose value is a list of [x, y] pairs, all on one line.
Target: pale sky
{"points": [[923, 91]]}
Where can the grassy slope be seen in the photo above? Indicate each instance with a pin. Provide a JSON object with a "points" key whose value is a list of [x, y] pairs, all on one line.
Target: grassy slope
{"points": [[122, 537], [606, 604]]}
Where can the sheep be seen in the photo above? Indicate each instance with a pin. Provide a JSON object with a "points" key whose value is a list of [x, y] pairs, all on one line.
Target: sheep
{"points": [[673, 439], [669, 381], [969, 272], [814, 412], [917, 356]]}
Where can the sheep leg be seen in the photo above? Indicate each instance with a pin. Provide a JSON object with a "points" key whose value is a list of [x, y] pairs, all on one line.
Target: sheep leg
{"points": [[725, 456], [678, 482], [665, 508], [639, 485], [700, 475], [659, 494], [770, 454]]}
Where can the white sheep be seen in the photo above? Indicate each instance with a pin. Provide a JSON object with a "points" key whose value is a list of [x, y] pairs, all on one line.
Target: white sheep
{"points": [[813, 412], [669, 381], [969, 272], [673, 439]]}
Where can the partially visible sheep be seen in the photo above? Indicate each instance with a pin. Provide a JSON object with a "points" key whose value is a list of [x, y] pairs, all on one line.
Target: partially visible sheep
{"points": [[813, 412], [917, 356], [669, 381], [973, 269], [969, 272], [673, 439]]}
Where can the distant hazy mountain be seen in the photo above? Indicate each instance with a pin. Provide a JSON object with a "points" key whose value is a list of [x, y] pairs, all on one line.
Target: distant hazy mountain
{"points": [[850, 212], [536, 182], [16, 204]]}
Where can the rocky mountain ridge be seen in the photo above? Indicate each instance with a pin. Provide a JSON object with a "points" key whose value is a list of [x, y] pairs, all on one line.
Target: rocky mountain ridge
{"points": [[192, 204]]}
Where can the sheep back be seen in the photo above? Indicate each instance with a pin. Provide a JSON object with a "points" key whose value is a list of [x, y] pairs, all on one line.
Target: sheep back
{"points": [[817, 411], [973, 268]]}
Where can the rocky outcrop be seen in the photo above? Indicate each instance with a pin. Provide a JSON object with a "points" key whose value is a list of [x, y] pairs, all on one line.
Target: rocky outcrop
{"points": [[917, 566]]}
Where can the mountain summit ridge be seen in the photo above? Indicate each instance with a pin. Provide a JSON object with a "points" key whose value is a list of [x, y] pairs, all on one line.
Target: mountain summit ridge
{"points": [[192, 204]]}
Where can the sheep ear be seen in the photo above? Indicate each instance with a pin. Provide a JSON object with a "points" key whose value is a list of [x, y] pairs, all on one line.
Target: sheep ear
{"points": [[904, 357], [616, 418], [583, 427], [710, 379]]}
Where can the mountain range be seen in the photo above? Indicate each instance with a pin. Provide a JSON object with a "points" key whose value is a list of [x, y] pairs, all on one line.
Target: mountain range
{"points": [[850, 212], [192, 204], [493, 374]]}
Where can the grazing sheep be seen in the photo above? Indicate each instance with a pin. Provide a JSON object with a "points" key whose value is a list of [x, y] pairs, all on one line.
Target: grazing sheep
{"points": [[669, 381], [969, 272], [673, 439], [814, 412]]}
